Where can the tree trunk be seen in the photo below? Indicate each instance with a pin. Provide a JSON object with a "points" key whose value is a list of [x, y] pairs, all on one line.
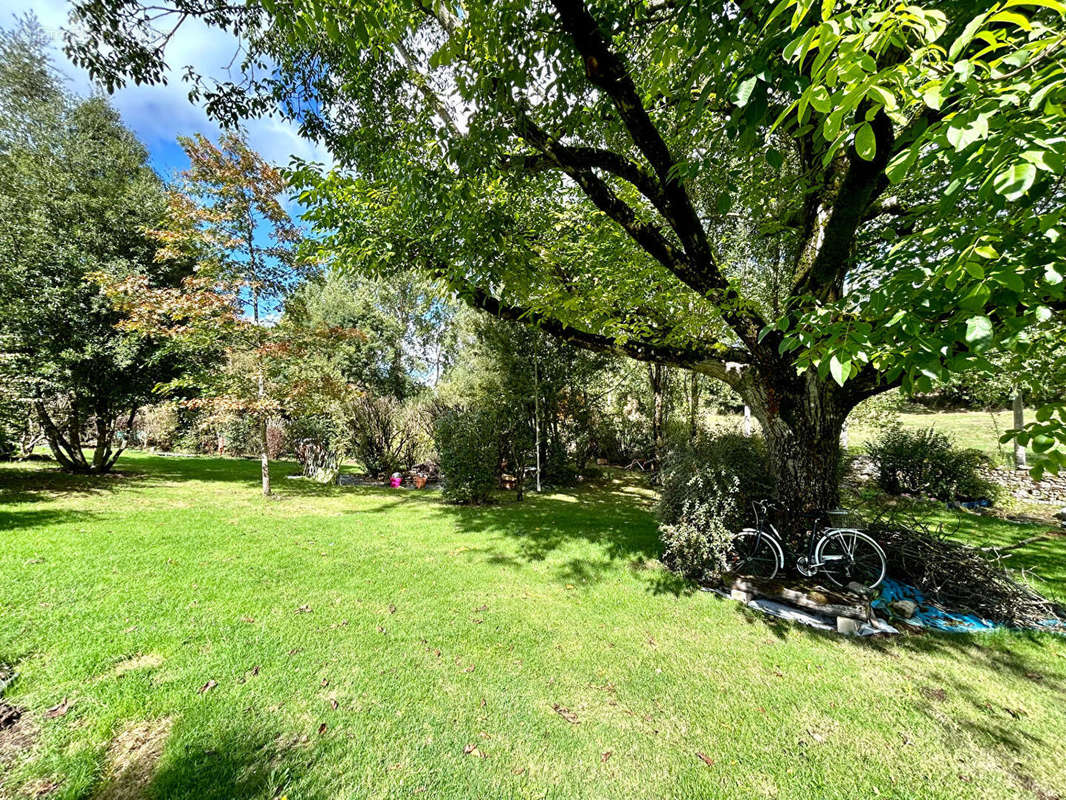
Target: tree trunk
{"points": [[264, 449], [658, 375], [264, 454], [67, 446], [802, 424], [1020, 460], [693, 405]]}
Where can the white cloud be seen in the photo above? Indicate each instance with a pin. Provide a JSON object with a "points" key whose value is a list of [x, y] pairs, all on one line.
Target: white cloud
{"points": [[158, 114]]}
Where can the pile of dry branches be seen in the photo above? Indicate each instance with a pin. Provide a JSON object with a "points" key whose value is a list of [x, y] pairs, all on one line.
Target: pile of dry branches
{"points": [[956, 576]]}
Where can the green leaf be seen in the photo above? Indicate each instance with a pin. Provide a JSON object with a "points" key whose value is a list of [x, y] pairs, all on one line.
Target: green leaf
{"points": [[1015, 180], [962, 134], [966, 36], [932, 97], [866, 142], [774, 158], [744, 89], [978, 328], [820, 99], [839, 369]]}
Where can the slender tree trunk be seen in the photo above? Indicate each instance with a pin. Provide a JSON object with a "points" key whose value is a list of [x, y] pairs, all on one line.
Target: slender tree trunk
{"points": [[536, 421], [747, 420], [1020, 459], [264, 451], [693, 405], [657, 375]]}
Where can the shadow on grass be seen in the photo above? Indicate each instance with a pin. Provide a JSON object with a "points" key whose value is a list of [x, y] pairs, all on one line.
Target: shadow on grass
{"points": [[618, 522], [11, 521], [37, 482], [234, 764]]}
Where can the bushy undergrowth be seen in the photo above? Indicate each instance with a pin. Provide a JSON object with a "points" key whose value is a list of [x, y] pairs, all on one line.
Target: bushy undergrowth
{"points": [[927, 462], [708, 487], [468, 449]]}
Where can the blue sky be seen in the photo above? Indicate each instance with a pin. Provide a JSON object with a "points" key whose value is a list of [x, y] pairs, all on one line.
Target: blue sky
{"points": [[159, 114]]}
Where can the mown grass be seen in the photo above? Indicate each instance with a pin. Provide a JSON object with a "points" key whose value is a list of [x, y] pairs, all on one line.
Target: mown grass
{"points": [[433, 629]]}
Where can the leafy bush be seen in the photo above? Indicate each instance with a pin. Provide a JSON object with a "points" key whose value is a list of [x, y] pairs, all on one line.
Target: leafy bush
{"points": [[927, 462], [385, 433], [467, 443], [723, 468], [708, 487]]}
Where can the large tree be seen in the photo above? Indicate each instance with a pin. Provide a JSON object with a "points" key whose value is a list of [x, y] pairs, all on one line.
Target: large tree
{"points": [[810, 202], [76, 195]]}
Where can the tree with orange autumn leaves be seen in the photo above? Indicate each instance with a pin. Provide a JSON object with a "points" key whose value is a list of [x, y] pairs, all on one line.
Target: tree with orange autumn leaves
{"points": [[226, 214]]}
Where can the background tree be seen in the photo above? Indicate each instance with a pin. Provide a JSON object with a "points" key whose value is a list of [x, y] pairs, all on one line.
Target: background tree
{"points": [[244, 368], [617, 173], [76, 195], [226, 212]]}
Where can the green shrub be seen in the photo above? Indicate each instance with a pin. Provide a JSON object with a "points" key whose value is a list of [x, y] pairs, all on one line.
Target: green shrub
{"points": [[708, 487], [467, 444], [926, 462], [725, 469]]}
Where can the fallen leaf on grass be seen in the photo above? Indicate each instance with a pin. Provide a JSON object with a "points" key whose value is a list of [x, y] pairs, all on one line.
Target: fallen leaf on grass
{"points": [[566, 714], [322, 729], [249, 620], [59, 709], [325, 682], [604, 757], [333, 703], [303, 610], [380, 629], [207, 686], [472, 750], [392, 608], [705, 759]]}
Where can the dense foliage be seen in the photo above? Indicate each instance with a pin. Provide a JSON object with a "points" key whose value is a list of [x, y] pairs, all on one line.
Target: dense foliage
{"points": [[926, 462], [76, 197], [810, 202], [467, 444], [708, 487]]}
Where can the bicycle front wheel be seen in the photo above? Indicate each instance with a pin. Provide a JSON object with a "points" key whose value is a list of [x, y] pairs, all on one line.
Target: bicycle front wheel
{"points": [[846, 556], [754, 553]]}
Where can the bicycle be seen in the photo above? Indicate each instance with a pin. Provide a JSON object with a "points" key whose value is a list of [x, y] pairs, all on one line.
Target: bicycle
{"points": [[843, 554]]}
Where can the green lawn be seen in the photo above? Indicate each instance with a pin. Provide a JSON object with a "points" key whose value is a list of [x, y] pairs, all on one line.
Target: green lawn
{"points": [[361, 640]]}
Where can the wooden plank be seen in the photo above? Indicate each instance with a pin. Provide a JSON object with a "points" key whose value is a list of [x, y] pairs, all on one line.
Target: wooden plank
{"points": [[814, 599]]}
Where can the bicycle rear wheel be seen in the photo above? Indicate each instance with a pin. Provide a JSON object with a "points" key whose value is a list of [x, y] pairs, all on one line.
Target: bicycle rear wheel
{"points": [[846, 555], [754, 553]]}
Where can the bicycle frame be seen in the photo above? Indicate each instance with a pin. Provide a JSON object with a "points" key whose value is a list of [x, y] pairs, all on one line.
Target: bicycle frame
{"points": [[781, 547]]}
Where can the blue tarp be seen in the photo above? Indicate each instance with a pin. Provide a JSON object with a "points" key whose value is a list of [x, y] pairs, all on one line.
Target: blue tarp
{"points": [[931, 616]]}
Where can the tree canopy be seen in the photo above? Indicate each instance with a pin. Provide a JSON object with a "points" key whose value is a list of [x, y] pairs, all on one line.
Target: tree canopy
{"points": [[76, 198], [810, 202]]}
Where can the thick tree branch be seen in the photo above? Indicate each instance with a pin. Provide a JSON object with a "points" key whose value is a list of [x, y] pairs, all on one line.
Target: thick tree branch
{"points": [[839, 215], [584, 158], [607, 72], [717, 361]]}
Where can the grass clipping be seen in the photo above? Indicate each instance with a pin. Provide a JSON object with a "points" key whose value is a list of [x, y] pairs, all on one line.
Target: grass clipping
{"points": [[959, 577]]}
